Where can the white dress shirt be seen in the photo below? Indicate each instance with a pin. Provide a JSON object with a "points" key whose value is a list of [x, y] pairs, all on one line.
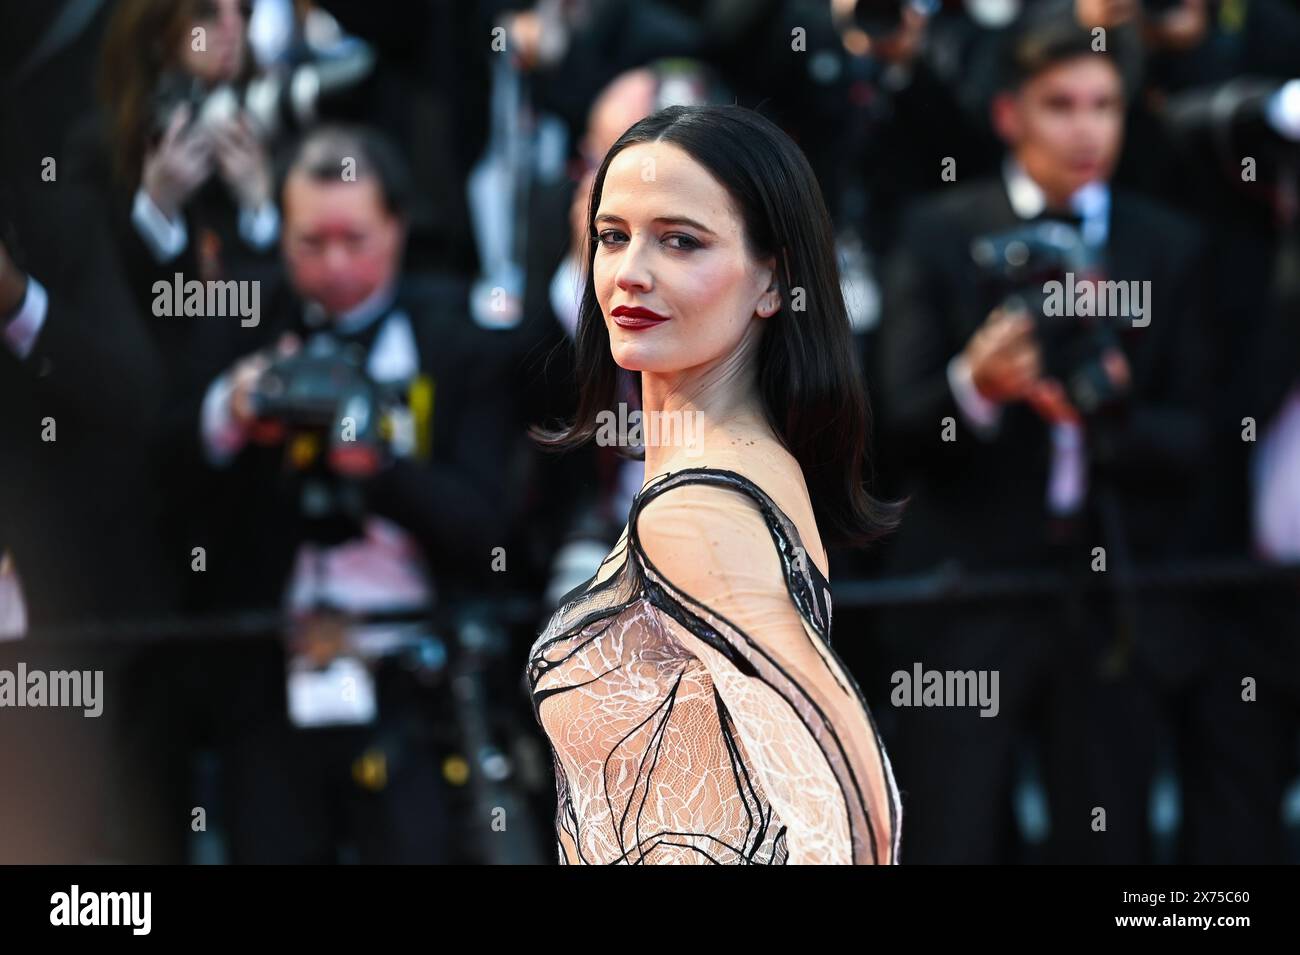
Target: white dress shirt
{"points": [[21, 332], [166, 238], [1275, 483], [13, 611], [19, 335]]}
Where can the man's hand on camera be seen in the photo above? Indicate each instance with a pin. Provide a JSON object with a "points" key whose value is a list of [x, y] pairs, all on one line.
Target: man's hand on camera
{"points": [[243, 381], [244, 377], [178, 165], [1003, 356], [1117, 369], [1048, 397], [242, 162]]}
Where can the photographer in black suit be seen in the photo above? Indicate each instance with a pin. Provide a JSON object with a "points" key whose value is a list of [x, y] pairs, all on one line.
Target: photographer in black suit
{"points": [[344, 194], [1027, 443], [395, 497]]}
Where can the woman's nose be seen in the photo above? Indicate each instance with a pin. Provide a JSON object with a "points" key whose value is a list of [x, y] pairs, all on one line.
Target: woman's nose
{"points": [[633, 273]]}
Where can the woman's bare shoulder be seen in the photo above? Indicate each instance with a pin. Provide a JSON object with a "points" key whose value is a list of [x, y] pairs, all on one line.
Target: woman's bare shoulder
{"points": [[697, 507]]}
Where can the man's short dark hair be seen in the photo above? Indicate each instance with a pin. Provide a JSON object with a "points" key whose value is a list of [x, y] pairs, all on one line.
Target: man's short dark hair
{"points": [[1038, 43], [337, 153]]}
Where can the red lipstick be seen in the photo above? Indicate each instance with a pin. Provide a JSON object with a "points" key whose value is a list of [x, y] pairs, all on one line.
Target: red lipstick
{"points": [[634, 316]]}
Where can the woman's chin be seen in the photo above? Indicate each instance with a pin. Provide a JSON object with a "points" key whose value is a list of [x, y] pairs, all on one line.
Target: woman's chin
{"points": [[632, 358]]}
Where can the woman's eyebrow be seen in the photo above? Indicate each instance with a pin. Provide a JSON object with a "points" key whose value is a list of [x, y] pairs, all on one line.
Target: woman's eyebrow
{"points": [[666, 220]]}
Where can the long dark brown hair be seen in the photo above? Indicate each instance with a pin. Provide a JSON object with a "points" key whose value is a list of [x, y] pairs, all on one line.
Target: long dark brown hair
{"points": [[812, 388], [140, 45]]}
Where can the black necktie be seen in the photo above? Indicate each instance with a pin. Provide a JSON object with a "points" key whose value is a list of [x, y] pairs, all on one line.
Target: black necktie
{"points": [[323, 324]]}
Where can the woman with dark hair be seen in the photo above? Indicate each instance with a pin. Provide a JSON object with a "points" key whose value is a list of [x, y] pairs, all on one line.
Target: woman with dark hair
{"points": [[695, 708], [181, 168]]}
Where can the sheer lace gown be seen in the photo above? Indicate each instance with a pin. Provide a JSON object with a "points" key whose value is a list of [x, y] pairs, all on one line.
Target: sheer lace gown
{"points": [[695, 709]]}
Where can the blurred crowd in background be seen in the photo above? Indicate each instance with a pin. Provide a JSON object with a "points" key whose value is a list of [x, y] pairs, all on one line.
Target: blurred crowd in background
{"points": [[284, 283]]}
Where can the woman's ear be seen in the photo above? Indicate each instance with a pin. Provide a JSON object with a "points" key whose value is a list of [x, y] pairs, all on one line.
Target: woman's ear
{"points": [[769, 303]]}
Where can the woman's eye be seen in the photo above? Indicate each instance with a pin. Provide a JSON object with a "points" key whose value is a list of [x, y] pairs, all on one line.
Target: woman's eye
{"points": [[675, 240], [684, 242]]}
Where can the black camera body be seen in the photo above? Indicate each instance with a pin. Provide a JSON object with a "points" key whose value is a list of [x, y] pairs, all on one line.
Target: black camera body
{"points": [[1019, 268], [882, 17], [334, 421], [324, 391]]}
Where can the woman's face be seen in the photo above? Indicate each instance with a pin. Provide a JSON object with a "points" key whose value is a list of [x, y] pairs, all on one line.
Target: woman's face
{"points": [[672, 242], [212, 49]]}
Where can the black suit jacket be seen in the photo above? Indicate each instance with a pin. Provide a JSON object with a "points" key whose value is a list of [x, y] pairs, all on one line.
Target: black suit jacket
{"points": [[458, 503], [85, 514], [982, 503]]}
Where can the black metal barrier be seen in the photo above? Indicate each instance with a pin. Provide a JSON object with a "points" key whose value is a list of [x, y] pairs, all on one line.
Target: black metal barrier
{"points": [[476, 634], [945, 585]]}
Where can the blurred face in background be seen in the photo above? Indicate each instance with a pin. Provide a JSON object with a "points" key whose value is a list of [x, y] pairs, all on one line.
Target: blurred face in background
{"points": [[341, 243], [223, 26], [670, 240], [627, 100], [1065, 125]]}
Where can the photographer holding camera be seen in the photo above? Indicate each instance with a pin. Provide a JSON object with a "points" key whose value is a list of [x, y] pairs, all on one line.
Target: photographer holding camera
{"points": [[1031, 436], [362, 449]]}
